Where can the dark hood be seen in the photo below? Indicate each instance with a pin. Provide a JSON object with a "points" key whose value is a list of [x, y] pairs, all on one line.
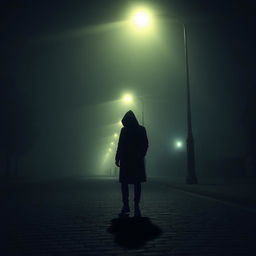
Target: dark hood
{"points": [[129, 119]]}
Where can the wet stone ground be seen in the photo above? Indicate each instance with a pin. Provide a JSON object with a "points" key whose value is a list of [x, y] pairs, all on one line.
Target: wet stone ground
{"points": [[80, 217]]}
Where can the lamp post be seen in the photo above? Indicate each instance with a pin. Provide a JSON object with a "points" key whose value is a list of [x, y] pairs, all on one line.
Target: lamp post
{"points": [[191, 173]]}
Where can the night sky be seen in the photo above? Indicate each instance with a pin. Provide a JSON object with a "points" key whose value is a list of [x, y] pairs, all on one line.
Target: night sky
{"points": [[66, 64]]}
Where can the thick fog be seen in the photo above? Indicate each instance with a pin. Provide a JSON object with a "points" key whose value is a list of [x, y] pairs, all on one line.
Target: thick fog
{"points": [[64, 77]]}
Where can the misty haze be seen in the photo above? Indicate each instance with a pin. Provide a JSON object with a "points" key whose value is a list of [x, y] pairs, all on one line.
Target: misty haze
{"points": [[70, 71]]}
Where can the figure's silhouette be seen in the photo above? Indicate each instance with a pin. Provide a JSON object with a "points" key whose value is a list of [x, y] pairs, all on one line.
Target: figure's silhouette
{"points": [[131, 151]]}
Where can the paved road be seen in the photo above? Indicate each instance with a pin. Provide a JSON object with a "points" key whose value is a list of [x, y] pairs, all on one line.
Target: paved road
{"points": [[79, 217]]}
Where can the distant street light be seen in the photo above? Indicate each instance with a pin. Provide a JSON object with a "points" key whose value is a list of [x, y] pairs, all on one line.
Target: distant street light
{"points": [[178, 144], [127, 98]]}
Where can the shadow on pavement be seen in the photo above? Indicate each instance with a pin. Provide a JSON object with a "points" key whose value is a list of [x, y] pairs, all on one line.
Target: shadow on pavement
{"points": [[133, 233]]}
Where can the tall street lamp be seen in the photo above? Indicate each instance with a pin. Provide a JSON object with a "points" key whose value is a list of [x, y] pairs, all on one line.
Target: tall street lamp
{"points": [[191, 175], [141, 21]]}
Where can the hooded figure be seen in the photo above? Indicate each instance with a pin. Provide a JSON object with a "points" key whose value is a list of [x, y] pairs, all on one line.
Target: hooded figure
{"points": [[131, 151]]}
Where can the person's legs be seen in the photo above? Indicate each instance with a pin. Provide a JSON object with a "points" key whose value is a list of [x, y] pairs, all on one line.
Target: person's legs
{"points": [[125, 198], [125, 193], [137, 194]]}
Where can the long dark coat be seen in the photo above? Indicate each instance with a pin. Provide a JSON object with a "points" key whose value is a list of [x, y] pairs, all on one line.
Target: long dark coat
{"points": [[131, 150]]}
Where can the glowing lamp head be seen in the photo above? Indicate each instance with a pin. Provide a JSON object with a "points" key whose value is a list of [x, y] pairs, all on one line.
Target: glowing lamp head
{"points": [[127, 98], [141, 19], [178, 144]]}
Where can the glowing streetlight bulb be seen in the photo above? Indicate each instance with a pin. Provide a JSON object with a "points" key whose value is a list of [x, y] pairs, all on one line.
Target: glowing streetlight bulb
{"points": [[141, 19], [127, 98], [178, 144]]}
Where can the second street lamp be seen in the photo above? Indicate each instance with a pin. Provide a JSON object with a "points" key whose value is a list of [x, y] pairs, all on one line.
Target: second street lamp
{"points": [[128, 99]]}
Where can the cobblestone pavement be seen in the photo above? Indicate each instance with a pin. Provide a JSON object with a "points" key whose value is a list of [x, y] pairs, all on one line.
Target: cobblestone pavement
{"points": [[75, 217]]}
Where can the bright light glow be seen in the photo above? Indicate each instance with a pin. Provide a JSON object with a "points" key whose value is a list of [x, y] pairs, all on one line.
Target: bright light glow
{"points": [[178, 144], [120, 123], [127, 98], [141, 22], [109, 149], [112, 143], [115, 135], [141, 19]]}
